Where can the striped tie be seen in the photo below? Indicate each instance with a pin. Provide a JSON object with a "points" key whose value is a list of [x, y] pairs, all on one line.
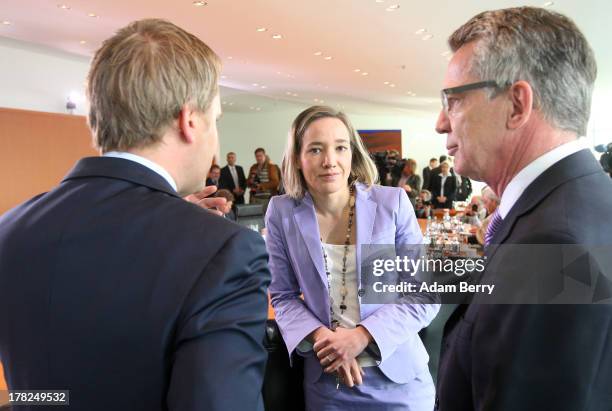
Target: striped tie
{"points": [[494, 224]]}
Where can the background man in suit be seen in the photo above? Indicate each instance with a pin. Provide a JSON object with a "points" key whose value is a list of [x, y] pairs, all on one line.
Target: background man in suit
{"points": [[137, 299], [518, 94], [233, 179], [433, 163], [443, 187]]}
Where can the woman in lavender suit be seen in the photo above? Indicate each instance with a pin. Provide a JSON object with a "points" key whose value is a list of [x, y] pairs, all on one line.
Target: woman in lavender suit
{"points": [[356, 356]]}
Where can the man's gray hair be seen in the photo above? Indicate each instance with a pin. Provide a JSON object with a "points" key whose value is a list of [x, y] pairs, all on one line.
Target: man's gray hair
{"points": [[541, 47]]}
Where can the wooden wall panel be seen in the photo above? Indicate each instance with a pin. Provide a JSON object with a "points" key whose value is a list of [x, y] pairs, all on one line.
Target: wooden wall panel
{"points": [[37, 150]]}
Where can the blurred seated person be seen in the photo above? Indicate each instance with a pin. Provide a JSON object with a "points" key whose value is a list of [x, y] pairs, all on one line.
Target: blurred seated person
{"points": [[409, 180], [443, 187], [475, 212], [227, 208], [213, 176], [422, 207], [490, 201]]}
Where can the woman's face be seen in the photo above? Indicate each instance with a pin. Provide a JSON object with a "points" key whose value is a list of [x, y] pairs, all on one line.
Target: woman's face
{"points": [[325, 158]]}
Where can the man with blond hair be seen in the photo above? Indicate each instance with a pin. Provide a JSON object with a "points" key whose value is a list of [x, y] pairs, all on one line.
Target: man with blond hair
{"points": [[111, 285], [516, 100]]}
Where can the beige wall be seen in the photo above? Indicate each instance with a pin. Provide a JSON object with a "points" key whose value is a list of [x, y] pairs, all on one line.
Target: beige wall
{"points": [[36, 151]]}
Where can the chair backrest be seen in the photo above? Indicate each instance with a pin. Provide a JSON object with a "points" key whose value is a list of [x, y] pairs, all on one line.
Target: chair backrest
{"points": [[283, 385]]}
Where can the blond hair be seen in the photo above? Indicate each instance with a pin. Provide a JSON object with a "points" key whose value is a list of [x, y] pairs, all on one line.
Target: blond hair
{"points": [[363, 168], [140, 79]]}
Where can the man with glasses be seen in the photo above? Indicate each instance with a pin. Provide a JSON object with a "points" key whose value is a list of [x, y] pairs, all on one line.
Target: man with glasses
{"points": [[516, 100]]}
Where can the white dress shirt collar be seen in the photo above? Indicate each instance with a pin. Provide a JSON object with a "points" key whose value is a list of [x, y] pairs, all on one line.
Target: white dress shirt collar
{"points": [[533, 170], [145, 162]]}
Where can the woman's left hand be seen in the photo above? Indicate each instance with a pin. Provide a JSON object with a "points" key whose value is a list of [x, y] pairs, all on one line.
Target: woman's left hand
{"points": [[341, 346]]}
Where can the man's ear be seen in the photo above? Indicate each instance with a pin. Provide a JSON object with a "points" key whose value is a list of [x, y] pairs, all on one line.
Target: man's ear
{"points": [[187, 123], [521, 98]]}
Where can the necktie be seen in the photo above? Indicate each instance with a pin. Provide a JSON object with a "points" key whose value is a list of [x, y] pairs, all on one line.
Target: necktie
{"points": [[494, 225]]}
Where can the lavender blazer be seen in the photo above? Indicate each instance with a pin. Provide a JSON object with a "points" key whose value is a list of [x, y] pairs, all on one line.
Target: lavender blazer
{"points": [[383, 216]]}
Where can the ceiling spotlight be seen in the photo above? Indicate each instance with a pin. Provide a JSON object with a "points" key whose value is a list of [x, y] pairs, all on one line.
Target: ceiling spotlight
{"points": [[93, 15], [317, 53], [223, 77], [316, 100], [6, 22], [255, 84], [365, 73], [277, 37], [420, 31], [549, 4], [288, 93], [82, 42], [231, 103], [264, 87], [294, 94], [385, 83], [252, 108], [257, 108], [321, 101], [380, 1], [199, 3], [357, 70], [391, 85], [327, 58], [63, 6], [229, 57], [427, 37], [393, 7], [261, 29], [223, 103]]}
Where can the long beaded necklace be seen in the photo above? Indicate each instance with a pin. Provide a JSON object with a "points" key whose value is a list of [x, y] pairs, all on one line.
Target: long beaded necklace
{"points": [[347, 242]]}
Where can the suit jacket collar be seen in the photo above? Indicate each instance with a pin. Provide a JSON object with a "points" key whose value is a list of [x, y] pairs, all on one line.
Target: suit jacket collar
{"points": [[120, 169], [573, 166], [306, 222]]}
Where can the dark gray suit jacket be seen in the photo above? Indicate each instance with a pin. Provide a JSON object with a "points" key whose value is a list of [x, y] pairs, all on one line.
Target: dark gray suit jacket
{"points": [[115, 288], [537, 357]]}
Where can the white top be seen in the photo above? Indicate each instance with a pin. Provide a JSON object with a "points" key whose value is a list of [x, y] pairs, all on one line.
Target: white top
{"points": [[145, 162], [352, 315], [533, 170]]}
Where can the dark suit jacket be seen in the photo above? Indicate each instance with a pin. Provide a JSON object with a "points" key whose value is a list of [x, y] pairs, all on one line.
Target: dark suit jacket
{"points": [[115, 288], [226, 181], [426, 178], [537, 357], [450, 190], [211, 182]]}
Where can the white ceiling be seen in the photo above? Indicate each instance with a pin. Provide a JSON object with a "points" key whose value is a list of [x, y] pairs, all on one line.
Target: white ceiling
{"points": [[358, 34]]}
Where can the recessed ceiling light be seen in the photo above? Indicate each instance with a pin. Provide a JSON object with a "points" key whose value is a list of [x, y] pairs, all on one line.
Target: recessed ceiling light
{"points": [[224, 77], [420, 31], [63, 6], [288, 93], [223, 103], [549, 3], [94, 15], [391, 85], [231, 103], [277, 36], [385, 83], [327, 58], [261, 29], [264, 86], [427, 37], [316, 100], [380, 1], [257, 108], [365, 73], [357, 70], [199, 3], [317, 53], [82, 42], [6, 22], [252, 108], [393, 7], [321, 101], [255, 84], [229, 57], [294, 94]]}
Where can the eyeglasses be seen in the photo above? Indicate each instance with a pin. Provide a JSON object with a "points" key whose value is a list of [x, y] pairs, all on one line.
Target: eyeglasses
{"points": [[467, 87]]}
